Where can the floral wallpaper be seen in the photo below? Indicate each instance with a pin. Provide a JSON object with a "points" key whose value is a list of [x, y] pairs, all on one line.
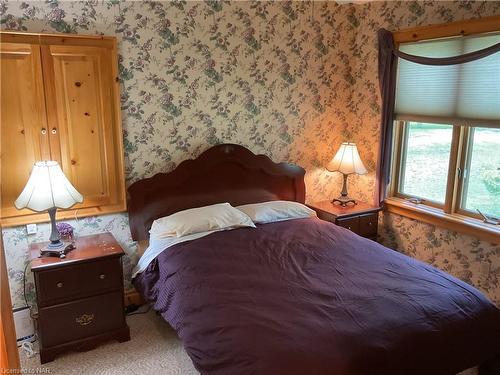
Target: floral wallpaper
{"points": [[288, 79], [476, 262]]}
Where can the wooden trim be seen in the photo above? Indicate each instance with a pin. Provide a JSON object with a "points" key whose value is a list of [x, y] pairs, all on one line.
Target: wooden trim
{"points": [[43, 217], [454, 222], [484, 123], [452, 170], [9, 354], [133, 297], [118, 132], [466, 27], [57, 39]]}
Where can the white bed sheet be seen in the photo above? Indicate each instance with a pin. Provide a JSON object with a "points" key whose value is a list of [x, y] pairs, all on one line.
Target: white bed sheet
{"points": [[157, 245]]}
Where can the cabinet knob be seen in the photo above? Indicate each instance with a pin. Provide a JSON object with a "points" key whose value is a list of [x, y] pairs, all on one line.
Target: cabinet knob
{"points": [[44, 131], [370, 223], [59, 285], [54, 131], [349, 228], [102, 276]]}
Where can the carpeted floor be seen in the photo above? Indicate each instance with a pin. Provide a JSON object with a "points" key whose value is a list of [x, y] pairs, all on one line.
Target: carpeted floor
{"points": [[153, 349]]}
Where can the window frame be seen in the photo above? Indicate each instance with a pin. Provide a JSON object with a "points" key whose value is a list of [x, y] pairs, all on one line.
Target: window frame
{"points": [[460, 156], [450, 215], [400, 141]]}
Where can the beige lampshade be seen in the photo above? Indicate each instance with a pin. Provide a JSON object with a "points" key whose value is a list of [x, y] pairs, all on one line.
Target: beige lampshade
{"points": [[347, 160], [47, 187]]}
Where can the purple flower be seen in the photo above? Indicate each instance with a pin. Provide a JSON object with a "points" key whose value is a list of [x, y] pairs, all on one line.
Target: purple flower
{"points": [[166, 99], [210, 64], [124, 97], [248, 33], [171, 61], [163, 25], [119, 19], [65, 230], [11, 24], [56, 15], [285, 68]]}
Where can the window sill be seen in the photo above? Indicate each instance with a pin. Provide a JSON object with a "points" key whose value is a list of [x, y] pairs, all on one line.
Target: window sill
{"points": [[435, 216]]}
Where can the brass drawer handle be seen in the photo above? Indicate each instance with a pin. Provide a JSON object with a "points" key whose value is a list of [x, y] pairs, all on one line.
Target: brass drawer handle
{"points": [[102, 276], [85, 319], [44, 131], [54, 131], [59, 285]]}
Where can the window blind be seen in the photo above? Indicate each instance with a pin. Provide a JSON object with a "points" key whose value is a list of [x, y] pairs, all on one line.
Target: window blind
{"points": [[463, 94]]}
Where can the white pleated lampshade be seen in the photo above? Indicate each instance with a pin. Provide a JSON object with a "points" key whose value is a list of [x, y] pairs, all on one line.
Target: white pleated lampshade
{"points": [[347, 160], [47, 187]]}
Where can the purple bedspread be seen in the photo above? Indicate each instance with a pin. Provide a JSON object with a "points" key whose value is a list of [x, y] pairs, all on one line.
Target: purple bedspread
{"points": [[308, 297]]}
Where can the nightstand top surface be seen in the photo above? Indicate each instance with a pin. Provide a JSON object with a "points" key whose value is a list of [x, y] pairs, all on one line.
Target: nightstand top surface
{"points": [[339, 211], [87, 248]]}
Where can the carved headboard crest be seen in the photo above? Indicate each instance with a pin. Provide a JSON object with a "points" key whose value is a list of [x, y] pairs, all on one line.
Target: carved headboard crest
{"points": [[223, 173]]}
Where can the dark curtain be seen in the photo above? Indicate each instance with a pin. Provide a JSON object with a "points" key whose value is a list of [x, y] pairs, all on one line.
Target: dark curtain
{"points": [[387, 68]]}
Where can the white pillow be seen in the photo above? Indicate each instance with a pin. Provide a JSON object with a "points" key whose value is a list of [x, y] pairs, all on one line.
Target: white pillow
{"points": [[220, 216], [269, 212]]}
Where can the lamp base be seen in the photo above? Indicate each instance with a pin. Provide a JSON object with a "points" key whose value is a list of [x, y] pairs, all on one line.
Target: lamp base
{"points": [[344, 201], [56, 249]]}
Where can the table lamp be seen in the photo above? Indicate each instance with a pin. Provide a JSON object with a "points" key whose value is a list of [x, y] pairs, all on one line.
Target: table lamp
{"points": [[346, 161], [49, 189]]}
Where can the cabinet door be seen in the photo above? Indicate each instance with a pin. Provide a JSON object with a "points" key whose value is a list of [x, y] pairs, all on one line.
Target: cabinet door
{"points": [[81, 109], [24, 135]]}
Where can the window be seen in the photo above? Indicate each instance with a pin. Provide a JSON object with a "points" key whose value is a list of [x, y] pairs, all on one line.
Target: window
{"points": [[425, 144], [481, 172], [447, 129]]}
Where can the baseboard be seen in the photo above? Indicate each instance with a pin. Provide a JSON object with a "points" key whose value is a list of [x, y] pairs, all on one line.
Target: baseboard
{"points": [[133, 297]]}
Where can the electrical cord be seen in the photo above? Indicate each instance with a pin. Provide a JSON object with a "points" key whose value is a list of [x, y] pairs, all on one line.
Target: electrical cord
{"points": [[140, 312], [24, 287], [35, 337]]}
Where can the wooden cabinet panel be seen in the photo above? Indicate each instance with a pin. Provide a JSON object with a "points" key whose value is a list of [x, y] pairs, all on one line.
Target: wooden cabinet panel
{"points": [[66, 86], [24, 138], [83, 87]]}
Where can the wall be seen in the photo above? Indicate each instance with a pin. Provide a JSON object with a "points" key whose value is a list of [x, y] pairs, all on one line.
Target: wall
{"points": [[288, 79], [273, 77], [476, 262]]}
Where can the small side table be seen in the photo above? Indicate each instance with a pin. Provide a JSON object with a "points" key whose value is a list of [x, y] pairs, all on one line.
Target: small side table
{"points": [[361, 218], [80, 297]]}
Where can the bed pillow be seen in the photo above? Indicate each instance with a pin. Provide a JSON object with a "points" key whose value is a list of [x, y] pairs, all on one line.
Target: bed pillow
{"points": [[220, 216], [269, 212]]}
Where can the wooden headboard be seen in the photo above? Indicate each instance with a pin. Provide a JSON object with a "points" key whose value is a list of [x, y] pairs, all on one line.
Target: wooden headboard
{"points": [[223, 173]]}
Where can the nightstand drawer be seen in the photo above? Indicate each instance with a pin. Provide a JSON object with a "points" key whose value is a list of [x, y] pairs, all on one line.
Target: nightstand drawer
{"points": [[351, 223], [82, 318], [60, 284], [368, 225], [102, 275]]}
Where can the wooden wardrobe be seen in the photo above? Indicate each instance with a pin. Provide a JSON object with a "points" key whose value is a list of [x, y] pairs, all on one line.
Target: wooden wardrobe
{"points": [[60, 101]]}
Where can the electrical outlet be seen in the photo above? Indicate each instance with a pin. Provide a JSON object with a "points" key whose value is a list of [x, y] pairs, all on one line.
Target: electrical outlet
{"points": [[31, 228]]}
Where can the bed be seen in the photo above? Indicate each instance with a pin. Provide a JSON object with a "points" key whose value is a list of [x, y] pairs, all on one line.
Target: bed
{"points": [[301, 296]]}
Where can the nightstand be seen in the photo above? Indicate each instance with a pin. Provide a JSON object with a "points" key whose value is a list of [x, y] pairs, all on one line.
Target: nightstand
{"points": [[361, 218], [80, 297]]}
